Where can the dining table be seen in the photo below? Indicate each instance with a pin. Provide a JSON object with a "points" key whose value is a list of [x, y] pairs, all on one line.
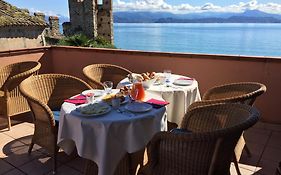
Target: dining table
{"points": [[106, 138], [180, 91]]}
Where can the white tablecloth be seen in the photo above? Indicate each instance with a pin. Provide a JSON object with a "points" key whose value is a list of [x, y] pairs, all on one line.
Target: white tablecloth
{"points": [[106, 139], [179, 97]]}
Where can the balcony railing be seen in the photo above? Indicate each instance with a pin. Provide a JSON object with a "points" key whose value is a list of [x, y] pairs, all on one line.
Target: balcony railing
{"points": [[209, 70]]}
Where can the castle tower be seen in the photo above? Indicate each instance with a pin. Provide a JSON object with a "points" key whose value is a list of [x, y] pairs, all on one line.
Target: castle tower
{"points": [[83, 18], [105, 20], [89, 18]]}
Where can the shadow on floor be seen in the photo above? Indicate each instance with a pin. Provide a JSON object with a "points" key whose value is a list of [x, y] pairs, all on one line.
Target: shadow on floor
{"points": [[17, 119]]}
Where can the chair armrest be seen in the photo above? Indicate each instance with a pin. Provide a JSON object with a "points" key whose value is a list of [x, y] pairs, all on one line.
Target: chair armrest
{"points": [[14, 81]]}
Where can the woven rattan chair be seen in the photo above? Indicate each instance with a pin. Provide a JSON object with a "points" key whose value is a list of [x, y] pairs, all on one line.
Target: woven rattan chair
{"points": [[206, 147], [98, 73], [11, 101], [243, 92], [45, 93]]}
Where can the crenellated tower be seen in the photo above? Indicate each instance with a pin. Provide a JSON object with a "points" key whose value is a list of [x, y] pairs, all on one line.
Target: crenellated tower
{"points": [[90, 17]]}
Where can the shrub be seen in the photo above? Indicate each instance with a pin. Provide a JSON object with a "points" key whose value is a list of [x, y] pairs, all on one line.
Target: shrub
{"points": [[81, 40]]}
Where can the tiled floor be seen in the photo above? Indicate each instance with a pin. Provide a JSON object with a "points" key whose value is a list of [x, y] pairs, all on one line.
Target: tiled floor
{"points": [[263, 140]]}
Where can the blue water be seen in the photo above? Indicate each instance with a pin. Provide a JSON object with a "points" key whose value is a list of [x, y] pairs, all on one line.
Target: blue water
{"points": [[237, 39]]}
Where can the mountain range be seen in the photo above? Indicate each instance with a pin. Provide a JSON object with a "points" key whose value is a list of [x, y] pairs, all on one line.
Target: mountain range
{"points": [[248, 16]]}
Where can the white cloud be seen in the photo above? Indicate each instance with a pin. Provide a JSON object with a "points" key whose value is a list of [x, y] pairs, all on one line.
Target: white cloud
{"points": [[210, 6], [161, 5]]}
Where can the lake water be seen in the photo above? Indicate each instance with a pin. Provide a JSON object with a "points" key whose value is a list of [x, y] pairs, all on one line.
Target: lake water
{"points": [[237, 39]]}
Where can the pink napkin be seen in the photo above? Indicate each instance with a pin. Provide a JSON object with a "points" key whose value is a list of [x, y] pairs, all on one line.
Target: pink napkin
{"points": [[157, 103], [79, 99], [185, 78]]}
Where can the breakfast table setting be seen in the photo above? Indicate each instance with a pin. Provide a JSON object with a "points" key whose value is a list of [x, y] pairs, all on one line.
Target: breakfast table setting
{"points": [[178, 90], [103, 131], [104, 125]]}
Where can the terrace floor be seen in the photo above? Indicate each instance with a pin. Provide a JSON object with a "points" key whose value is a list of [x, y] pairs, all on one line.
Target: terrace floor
{"points": [[263, 140]]}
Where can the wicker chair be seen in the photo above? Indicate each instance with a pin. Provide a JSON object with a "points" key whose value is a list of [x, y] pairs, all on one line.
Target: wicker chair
{"points": [[243, 92], [11, 101], [98, 73], [45, 93], [207, 148]]}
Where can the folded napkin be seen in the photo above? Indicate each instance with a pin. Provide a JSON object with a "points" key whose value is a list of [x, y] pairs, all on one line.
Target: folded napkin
{"points": [[78, 100], [157, 103], [185, 78]]}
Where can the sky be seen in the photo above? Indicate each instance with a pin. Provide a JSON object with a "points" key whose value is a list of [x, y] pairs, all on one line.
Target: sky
{"points": [[55, 7]]}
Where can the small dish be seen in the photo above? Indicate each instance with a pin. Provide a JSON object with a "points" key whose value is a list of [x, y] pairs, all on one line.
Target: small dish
{"points": [[180, 82], [97, 93]]}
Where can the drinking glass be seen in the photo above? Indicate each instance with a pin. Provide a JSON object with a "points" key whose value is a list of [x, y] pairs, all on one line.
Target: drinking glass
{"points": [[90, 97], [167, 74], [108, 86]]}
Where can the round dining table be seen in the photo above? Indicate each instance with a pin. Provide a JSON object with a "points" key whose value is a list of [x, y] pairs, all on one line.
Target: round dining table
{"points": [[179, 96], [105, 139]]}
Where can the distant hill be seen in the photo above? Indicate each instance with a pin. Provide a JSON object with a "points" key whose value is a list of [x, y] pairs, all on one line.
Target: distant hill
{"points": [[233, 19], [249, 16]]}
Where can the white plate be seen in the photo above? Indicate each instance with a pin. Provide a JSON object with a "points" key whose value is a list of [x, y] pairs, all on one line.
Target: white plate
{"points": [[97, 93], [138, 107], [90, 110], [183, 82]]}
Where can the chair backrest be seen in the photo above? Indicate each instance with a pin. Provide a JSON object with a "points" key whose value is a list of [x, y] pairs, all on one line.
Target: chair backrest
{"points": [[208, 148], [98, 73], [47, 92], [242, 92], [11, 75]]}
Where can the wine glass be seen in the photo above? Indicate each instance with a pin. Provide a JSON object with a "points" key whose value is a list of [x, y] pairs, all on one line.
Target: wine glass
{"points": [[108, 86]]}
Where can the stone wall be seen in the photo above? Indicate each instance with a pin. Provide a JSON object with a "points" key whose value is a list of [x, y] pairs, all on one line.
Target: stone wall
{"points": [[16, 37], [83, 18], [89, 18]]}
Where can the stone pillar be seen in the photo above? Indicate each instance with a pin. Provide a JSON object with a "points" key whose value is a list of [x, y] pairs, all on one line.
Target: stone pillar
{"points": [[54, 25], [40, 15], [105, 20]]}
